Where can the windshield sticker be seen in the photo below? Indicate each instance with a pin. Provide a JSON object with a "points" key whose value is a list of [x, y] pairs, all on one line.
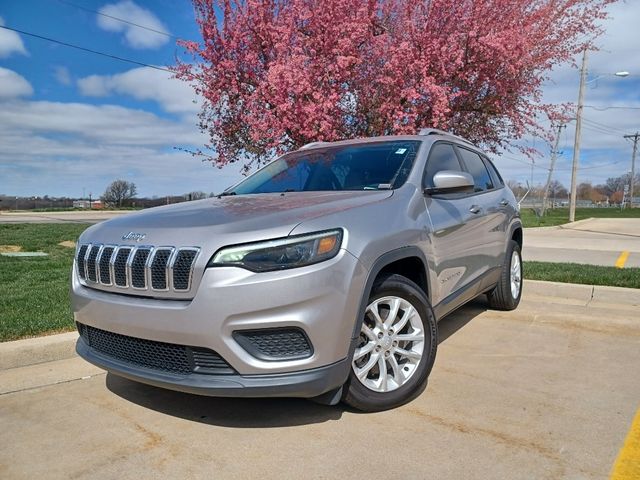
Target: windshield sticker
{"points": [[400, 151]]}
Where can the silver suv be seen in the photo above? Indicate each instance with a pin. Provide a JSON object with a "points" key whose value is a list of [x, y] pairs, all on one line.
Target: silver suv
{"points": [[322, 275]]}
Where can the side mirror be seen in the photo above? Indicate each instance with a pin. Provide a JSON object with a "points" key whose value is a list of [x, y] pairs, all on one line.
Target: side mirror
{"points": [[450, 181]]}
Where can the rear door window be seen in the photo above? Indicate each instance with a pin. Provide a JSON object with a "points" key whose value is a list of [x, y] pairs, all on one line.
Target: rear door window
{"points": [[476, 167], [441, 157]]}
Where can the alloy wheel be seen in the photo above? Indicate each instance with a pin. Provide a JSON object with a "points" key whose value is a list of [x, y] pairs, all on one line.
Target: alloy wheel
{"points": [[391, 344]]}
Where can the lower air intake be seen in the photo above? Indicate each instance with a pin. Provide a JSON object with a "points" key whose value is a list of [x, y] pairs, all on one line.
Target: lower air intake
{"points": [[275, 343], [164, 357]]}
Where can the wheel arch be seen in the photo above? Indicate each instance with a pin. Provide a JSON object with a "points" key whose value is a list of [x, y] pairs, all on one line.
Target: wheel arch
{"points": [[408, 261], [516, 233]]}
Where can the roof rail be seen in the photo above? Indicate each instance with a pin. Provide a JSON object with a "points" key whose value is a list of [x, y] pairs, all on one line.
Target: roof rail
{"points": [[311, 145], [436, 131]]}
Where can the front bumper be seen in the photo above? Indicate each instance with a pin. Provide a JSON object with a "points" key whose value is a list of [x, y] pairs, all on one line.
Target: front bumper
{"points": [[306, 383], [321, 299]]}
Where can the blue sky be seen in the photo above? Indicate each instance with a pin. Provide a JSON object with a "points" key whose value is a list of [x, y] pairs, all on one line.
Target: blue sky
{"points": [[72, 121]]}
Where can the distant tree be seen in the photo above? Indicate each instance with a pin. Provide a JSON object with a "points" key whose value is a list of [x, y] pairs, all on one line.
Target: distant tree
{"points": [[275, 75], [617, 184], [196, 195], [616, 197], [596, 196], [557, 190], [118, 192], [584, 191]]}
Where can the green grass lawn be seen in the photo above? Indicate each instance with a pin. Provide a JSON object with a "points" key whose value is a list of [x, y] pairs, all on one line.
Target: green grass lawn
{"points": [[34, 291], [559, 216], [585, 274]]}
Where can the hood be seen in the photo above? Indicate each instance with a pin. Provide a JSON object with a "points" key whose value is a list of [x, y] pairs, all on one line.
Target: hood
{"points": [[216, 222]]}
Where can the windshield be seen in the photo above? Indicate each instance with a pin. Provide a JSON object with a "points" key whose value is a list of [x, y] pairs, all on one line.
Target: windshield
{"points": [[368, 166]]}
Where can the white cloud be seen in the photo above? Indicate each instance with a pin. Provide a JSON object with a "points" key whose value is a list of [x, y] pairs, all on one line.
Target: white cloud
{"points": [[104, 124], [10, 42], [62, 75], [72, 146], [13, 85], [173, 95], [604, 152], [135, 36]]}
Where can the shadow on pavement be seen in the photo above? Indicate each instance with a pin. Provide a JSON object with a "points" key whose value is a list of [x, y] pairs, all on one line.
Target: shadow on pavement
{"points": [[258, 412], [455, 321], [225, 412]]}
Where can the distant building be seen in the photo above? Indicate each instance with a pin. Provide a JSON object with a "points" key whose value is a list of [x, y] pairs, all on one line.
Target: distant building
{"points": [[95, 204]]}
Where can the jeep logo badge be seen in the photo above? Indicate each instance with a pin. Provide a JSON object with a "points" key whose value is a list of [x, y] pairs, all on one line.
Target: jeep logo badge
{"points": [[134, 236]]}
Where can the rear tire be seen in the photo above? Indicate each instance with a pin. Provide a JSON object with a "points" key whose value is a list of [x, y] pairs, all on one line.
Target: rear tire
{"points": [[397, 347], [506, 295]]}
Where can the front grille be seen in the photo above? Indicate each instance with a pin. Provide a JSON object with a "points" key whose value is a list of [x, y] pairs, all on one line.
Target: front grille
{"points": [[275, 343], [159, 268], [165, 357], [82, 252], [140, 268], [120, 267], [104, 265], [91, 263], [182, 269]]}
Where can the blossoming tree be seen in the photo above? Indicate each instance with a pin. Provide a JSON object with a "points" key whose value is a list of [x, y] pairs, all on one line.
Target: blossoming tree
{"points": [[276, 74]]}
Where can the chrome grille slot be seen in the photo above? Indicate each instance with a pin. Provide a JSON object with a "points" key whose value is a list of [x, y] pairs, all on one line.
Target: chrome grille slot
{"points": [[91, 263], [104, 265], [182, 268], [117, 268], [120, 267], [82, 252], [160, 268], [138, 270]]}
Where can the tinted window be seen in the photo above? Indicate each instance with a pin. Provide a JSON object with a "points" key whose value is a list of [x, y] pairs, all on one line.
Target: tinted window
{"points": [[367, 166], [477, 169], [495, 175], [441, 157]]}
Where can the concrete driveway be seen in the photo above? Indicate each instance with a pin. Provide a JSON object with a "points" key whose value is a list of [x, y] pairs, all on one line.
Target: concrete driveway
{"points": [[539, 393], [595, 241]]}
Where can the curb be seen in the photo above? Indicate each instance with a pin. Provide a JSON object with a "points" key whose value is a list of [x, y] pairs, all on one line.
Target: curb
{"points": [[30, 351], [21, 353], [585, 293], [564, 226]]}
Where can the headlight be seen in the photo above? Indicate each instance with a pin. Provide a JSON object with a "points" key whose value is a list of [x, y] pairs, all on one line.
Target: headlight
{"points": [[290, 252]]}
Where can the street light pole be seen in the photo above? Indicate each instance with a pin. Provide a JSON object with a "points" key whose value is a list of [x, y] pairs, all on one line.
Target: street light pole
{"points": [[576, 144], [633, 166]]}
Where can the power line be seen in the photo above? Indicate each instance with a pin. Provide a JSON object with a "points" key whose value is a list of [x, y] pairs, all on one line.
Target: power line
{"points": [[602, 131], [602, 125], [160, 32], [610, 107], [84, 49]]}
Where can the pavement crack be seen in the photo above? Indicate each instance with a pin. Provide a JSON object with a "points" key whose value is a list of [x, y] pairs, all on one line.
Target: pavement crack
{"points": [[61, 382], [593, 291]]}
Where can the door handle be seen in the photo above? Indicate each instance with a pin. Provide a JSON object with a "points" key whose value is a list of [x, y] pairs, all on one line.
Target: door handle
{"points": [[474, 209], [504, 202]]}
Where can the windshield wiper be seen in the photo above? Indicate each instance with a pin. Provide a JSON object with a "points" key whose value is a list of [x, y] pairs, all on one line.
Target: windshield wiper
{"points": [[226, 194]]}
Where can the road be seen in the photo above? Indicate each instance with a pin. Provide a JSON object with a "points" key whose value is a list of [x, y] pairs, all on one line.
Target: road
{"points": [[87, 216], [532, 394], [601, 241]]}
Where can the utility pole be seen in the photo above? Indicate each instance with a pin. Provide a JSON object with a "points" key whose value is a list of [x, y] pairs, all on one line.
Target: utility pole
{"points": [[633, 166], [576, 143], [554, 156]]}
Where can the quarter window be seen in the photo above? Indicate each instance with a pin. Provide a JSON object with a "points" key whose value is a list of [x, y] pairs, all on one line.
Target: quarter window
{"points": [[495, 175], [477, 169], [441, 157]]}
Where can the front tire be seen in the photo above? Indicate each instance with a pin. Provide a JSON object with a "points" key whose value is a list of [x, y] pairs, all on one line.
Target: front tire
{"points": [[506, 295], [397, 347]]}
